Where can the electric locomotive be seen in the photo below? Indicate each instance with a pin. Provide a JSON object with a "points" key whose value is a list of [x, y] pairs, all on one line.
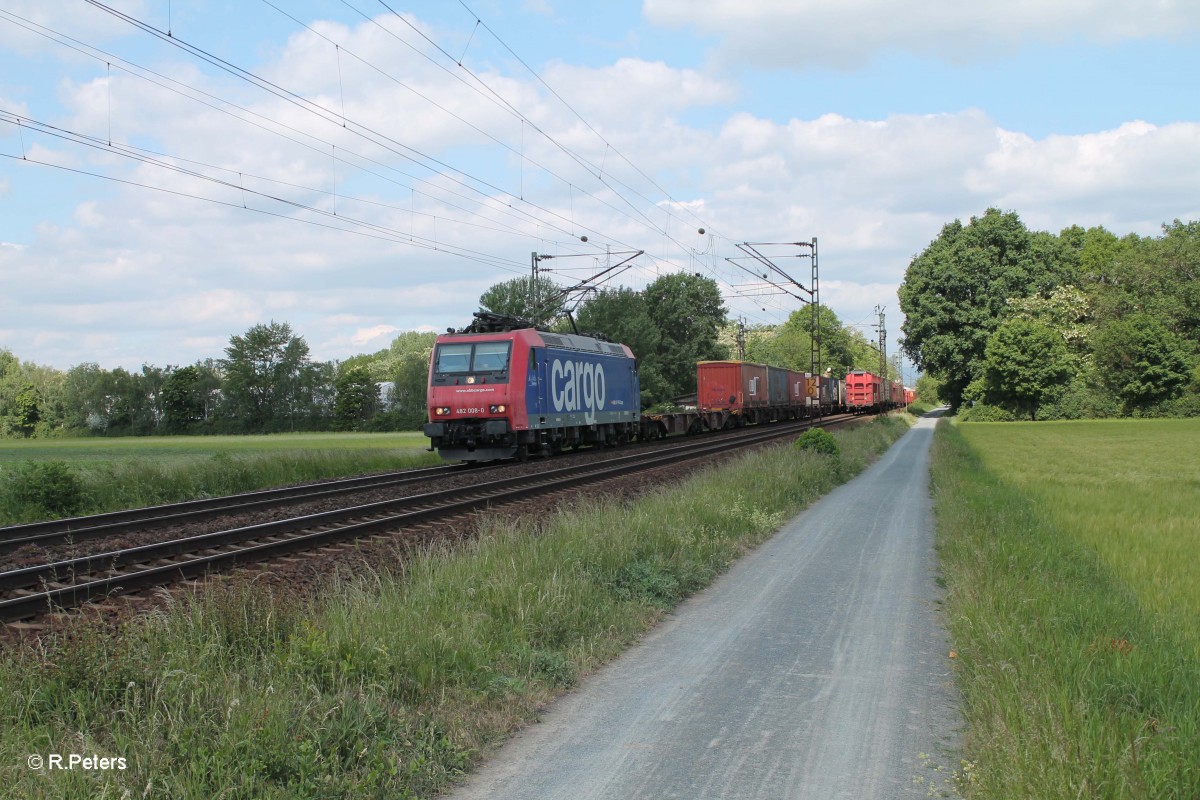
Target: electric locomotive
{"points": [[501, 388]]}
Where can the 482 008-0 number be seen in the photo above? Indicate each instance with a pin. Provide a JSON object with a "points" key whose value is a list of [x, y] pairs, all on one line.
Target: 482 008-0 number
{"points": [[470, 410]]}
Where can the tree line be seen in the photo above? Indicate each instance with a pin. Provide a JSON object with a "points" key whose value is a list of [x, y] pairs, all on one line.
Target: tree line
{"points": [[1014, 323], [266, 383]]}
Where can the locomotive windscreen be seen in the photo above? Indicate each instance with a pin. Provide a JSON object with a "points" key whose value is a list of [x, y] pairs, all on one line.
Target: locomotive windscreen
{"points": [[463, 357], [491, 356]]}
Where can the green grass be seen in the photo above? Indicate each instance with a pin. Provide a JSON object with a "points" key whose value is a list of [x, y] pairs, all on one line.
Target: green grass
{"points": [[176, 449], [390, 686], [139, 471], [1068, 551]]}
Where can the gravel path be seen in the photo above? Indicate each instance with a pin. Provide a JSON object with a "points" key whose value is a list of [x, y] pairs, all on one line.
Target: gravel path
{"points": [[816, 668]]}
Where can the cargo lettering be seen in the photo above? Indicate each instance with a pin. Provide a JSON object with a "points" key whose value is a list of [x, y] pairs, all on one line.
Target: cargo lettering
{"points": [[577, 386]]}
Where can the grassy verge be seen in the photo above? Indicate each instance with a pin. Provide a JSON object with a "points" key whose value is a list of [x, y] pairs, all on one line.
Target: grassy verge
{"points": [[1072, 606], [918, 408], [391, 686], [58, 478]]}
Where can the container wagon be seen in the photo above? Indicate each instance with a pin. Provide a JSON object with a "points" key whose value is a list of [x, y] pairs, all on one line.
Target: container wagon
{"points": [[863, 391], [736, 386]]}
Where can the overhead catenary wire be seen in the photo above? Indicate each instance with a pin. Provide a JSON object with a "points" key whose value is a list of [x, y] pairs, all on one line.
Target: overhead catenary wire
{"points": [[381, 231], [327, 116], [580, 117], [472, 257], [496, 140], [370, 134], [268, 124], [321, 111], [563, 223], [145, 154], [582, 161]]}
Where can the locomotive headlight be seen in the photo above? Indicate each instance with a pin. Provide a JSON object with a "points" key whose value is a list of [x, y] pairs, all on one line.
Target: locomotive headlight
{"points": [[442, 410], [497, 409]]}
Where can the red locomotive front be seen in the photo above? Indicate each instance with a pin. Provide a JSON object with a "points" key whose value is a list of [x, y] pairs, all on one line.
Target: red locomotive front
{"points": [[477, 391]]}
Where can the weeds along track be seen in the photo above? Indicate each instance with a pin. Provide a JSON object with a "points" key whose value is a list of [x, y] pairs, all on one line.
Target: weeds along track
{"points": [[31, 591]]}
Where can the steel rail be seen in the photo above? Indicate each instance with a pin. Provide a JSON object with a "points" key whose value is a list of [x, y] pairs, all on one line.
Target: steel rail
{"points": [[40, 589], [78, 529]]}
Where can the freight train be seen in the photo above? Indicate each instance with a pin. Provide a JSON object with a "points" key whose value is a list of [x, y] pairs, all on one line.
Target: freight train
{"points": [[499, 389]]}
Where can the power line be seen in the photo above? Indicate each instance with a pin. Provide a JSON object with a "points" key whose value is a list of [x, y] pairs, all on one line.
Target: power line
{"points": [[590, 167], [169, 84], [330, 116], [356, 128], [380, 231], [423, 160], [580, 117], [341, 48]]}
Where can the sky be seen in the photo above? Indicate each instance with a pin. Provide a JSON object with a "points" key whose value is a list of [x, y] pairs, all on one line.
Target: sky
{"points": [[173, 172]]}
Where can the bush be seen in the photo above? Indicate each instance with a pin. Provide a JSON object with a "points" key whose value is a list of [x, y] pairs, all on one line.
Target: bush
{"points": [[819, 441], [43, 489], [982, 412]]}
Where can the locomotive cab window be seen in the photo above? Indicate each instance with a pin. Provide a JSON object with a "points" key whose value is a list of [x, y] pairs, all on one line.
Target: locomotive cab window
{"points": [[491, 357], [453, 358]]}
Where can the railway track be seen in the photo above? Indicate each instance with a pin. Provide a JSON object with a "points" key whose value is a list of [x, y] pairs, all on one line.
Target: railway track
{"points": [[81, 529], [30, 591]]}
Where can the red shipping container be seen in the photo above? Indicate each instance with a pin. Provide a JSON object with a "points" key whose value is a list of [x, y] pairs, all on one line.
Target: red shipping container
{"points": [[730, 385], [797, 389], [862, 390]]}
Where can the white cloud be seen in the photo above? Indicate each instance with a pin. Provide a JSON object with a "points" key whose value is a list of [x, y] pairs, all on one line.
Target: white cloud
{"points": [[20, 31], [364, 336], [634, 88], [797, 33], [1136, 174]]}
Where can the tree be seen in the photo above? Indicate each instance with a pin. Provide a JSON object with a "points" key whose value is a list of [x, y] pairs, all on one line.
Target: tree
{"points": [[408, 398], [956, 291], [1023, 363], [11, 384], [1141, 361], [687, 311], [187, 396], [357, 398], [263, 371], [670, 325], [1067, 310], [514, 298], [312, 396], [27, 413], [405, 365], [31, 397], [927, 390], [87, 398]]}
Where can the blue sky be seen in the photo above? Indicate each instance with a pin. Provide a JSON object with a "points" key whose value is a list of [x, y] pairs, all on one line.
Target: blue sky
{"points": [[867, 124]]}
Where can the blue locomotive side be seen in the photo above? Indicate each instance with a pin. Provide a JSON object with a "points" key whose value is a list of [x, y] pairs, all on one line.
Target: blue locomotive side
{"points": [[567, 387]]}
